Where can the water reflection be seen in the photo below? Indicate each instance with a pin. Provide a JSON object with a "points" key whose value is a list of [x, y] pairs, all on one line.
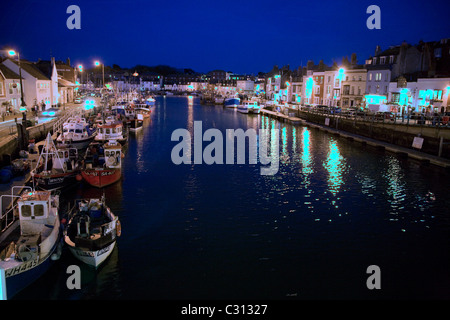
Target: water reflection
{"points": [[307, 162], [335, 166], [396, 186]]}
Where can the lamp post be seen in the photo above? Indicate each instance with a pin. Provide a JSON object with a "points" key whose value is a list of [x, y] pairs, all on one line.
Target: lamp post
{"points": [[80, 68], [22, 103], [97, 63]]}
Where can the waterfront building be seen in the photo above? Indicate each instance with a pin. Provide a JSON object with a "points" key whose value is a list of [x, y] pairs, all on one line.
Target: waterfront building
{"points": [[38, 88], [332, 86], [245, 86], [425, 95], [63, 79], [9, 90], [354, 86], [277, 83]]}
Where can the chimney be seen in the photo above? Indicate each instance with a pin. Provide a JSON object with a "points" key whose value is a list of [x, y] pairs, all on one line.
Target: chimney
{"points": [[377, 50], [353, 59], [68, 62]]}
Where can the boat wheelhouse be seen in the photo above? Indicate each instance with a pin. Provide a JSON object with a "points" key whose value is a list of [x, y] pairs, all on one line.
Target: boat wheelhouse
{"points": [[111, 129], [32, 241]]}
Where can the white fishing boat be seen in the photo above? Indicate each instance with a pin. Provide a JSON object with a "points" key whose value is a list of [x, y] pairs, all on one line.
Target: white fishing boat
{"points": [[31, 240], [92, 231], [249, 107], [77, 133]]}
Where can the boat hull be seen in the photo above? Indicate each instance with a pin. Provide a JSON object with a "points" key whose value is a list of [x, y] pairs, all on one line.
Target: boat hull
{"points": [[93, 258], [101, 178], [232, 102], [242, 110], [55, 181], [23, 275], [78, 144]]}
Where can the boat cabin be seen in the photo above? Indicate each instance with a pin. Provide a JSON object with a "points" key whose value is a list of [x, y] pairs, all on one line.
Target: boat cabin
{"points": [[33, 209]]}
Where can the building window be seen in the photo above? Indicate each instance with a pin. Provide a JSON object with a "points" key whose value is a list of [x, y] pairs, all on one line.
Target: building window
{"points": [[346, 90], [391, 59], [1, 89], [370, 76], [317, 90], [359, 91], [395, 97], [352, 90], [382, 60], [336, 82]]}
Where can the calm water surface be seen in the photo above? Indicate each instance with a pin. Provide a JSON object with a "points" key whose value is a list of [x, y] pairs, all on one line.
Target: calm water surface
{"points": [[334, 208]]}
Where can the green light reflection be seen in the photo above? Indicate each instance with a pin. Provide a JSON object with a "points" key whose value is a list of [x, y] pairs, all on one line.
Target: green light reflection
{"points": [[335, 167]]}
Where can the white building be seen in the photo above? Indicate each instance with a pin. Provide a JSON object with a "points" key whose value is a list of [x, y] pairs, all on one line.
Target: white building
{"points": [[9, 90], [424, 95], [38, 88], [245, 86]]}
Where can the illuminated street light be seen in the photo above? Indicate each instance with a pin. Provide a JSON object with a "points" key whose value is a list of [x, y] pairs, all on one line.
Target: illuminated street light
{"points": [[23, 106], [97, 63]]}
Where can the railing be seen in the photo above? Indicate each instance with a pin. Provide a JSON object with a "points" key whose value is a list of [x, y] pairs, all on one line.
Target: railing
{"points": [[438, 120], [57, 126], [7, 218]]}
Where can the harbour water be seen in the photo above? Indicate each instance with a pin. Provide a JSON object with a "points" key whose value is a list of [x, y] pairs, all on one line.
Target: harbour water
{"points": [[334, 208]]}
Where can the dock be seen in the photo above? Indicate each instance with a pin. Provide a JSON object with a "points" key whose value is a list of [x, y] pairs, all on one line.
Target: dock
{"points": [[411, 153], [283, 117]]}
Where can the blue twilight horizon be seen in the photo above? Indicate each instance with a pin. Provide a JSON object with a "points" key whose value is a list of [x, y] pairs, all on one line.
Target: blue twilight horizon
{"points": [[238, 36]]}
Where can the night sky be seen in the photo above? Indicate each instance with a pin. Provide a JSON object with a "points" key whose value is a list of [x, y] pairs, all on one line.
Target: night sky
{"points": [[239, 36]]}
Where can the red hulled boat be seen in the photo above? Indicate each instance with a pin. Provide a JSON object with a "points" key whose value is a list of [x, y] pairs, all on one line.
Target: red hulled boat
{"points": [[102, 164]]}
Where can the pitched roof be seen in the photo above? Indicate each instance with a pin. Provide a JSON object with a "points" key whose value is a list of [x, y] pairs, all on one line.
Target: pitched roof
{"points": [[8, 73], [31, 69]]}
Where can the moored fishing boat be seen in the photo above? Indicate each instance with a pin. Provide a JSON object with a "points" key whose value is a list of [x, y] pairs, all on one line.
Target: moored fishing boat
{"points": [[102, 164], [249, 107], [142, 109], [92, 231], [76, 133], [56, 167], [135, 122], [232, 102], [32, 240], [111, 129]]}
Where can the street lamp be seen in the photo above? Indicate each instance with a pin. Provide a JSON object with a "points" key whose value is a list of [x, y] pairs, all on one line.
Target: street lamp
{"points": [[13, 53], [80, 69], [97, 63]]}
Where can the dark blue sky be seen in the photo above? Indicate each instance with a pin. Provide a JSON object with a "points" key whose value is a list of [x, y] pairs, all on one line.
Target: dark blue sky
{"points": [[240, 36]]}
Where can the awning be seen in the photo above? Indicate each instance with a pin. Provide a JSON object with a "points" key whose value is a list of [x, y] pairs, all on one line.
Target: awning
{"points": [[65, 83]]}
